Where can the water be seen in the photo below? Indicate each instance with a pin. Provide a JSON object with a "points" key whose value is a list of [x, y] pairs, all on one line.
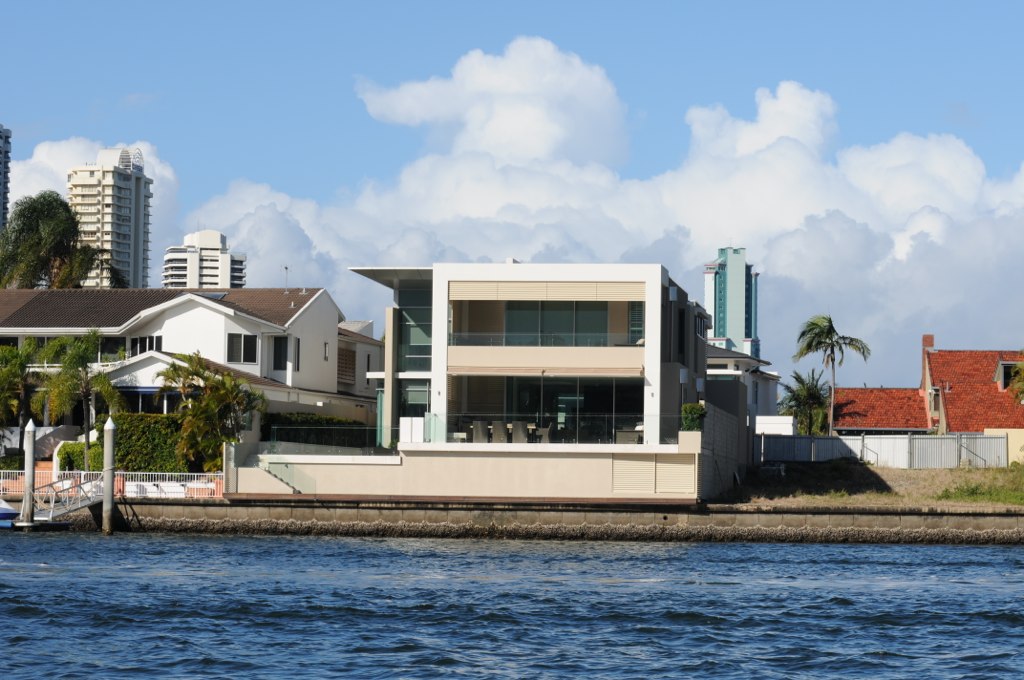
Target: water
{"points": [[304, 607]]}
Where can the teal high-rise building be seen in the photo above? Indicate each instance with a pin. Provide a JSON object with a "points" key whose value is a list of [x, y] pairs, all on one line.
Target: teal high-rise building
{"points": [[730, 296]]}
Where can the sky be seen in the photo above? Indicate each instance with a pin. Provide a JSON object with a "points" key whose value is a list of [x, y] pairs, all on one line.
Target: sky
{"points": [[865, 154]]}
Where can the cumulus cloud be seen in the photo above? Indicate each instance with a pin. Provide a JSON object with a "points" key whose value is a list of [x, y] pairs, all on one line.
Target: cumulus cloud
{"points": [[896, 238], [48, 166], [534, 102]]}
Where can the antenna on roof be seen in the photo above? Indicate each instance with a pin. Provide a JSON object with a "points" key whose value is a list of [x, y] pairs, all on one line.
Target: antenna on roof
{"points": [[286, 279]]}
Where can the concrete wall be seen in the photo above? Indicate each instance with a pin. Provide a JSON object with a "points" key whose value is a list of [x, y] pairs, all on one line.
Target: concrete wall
{"points": [[1014, 443], [565, 471]]}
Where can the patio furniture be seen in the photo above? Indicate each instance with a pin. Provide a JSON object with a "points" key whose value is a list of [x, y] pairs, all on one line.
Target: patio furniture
{"points": [[546, 433], [479, 431], [519, 433], [499, 432]]}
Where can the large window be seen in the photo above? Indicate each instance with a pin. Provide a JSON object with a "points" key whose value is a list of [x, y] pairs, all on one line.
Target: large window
{"points": [[556, 323], [241, 348], [414, 329]]}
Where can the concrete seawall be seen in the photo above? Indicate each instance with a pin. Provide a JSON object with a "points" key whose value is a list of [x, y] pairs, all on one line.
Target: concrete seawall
{"points": [[561, 521]]}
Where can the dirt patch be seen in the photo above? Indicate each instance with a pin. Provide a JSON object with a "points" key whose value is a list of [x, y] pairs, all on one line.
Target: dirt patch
{"points": [[843, 483]]}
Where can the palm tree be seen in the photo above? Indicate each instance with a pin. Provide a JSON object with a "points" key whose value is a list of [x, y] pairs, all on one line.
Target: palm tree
{"points": [[214, 407], [41, 246], [18, 381], [819, 334], [77, 380], [807, 400]]}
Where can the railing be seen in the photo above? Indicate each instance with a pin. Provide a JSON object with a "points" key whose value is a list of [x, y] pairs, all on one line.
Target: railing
{"points": [[67, 495], [543, 340], [580, 428], [126, 484], [328, 440]]}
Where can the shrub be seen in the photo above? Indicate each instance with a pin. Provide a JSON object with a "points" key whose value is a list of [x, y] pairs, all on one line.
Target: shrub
{"points": [[145, 442], [9, 462], [693, 417]]}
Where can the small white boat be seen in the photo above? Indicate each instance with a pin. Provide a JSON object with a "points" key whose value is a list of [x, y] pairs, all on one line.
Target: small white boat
{"points": [[7, 512]]}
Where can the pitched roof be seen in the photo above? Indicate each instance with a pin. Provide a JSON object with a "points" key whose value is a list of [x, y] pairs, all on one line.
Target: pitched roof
{"points": [[971, 396], [12, 299], [880, 408], [352, 335], [105, 308], [716, 352]]}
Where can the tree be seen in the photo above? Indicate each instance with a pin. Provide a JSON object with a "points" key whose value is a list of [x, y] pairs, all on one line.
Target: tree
{"points": [[806, 400], [18, 381], [1017, 381], [77, 380], [41, 246], [214, 407], [819, 334]]}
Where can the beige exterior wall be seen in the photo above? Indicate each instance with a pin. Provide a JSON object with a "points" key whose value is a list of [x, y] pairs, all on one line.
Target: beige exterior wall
{"points": [[1014, 443], [549, 360], [500, 471]]}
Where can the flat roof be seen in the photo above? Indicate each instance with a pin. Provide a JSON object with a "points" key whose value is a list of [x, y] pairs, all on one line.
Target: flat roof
{"points": [[392, 276]]}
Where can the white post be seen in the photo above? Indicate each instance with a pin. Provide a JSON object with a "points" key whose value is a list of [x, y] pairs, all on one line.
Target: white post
{"points": [[108, 477], [28, 493]]}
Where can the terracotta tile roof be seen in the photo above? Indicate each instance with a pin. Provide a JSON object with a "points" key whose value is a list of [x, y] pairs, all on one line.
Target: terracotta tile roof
{"points": [[880, 408], [970, 393], [95, 308]]}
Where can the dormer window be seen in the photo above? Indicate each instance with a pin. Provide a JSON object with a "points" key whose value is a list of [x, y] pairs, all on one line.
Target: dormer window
{"points": [[1004, 376]]}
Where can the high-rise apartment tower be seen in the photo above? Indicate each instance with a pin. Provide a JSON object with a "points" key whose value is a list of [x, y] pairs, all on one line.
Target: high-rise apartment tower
{"points": [[5, 173], [730, 296], [203, 261], [112, 201]]}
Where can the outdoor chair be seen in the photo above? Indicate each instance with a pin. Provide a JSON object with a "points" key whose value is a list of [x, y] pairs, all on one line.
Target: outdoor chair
{"points": [[546, 433], [479, 431], [499, 432], [519, 432]]}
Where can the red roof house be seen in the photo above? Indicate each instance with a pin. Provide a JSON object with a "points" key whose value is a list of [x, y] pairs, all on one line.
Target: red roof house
{"points": [[880, 409], [961, 391]]}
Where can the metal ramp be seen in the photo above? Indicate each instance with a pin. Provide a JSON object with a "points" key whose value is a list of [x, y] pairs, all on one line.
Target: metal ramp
{"points": [[64, 496]]}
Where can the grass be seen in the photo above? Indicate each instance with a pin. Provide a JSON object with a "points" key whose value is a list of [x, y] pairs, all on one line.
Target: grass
{"points": [[849, 483], [1001, 487]]}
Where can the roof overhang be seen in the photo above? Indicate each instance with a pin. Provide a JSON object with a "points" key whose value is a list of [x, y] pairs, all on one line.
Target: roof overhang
{"points": [[393, 277]]}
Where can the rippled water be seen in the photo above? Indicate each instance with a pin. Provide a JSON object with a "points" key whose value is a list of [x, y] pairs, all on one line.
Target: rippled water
{"points": [[189, 606]]}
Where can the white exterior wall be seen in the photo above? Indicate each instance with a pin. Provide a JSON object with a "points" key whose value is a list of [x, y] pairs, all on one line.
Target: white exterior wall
{"points": [[112, 200], [317, 326], [654, 277], [203, 261]]}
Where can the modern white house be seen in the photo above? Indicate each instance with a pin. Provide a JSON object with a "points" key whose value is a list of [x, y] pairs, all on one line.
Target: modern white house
{"points": [[112, 201], [762, 386], [510, 381], [203, 261], [284, 341]]}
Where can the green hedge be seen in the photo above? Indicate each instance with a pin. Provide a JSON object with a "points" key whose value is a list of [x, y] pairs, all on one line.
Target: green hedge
{"points": [[12, 462], [145, 443]]}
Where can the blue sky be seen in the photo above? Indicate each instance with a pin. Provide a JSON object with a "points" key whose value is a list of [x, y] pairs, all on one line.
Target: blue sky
{"points": [[287, 127]]}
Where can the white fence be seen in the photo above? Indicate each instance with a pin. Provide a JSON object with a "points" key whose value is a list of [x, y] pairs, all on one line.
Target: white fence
{"points": [[895, 451], [129, 484]]}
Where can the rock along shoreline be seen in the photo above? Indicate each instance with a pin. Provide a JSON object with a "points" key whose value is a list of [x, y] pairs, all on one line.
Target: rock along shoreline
{"points": [[570, 532]]}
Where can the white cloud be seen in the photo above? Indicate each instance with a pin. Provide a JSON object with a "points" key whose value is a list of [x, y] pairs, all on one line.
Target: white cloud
{"points": [[903, 237], [534, 102]]}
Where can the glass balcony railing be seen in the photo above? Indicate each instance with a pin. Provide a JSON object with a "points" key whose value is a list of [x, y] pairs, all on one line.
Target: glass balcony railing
{"points": [[544, 340], [555, 428]]}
